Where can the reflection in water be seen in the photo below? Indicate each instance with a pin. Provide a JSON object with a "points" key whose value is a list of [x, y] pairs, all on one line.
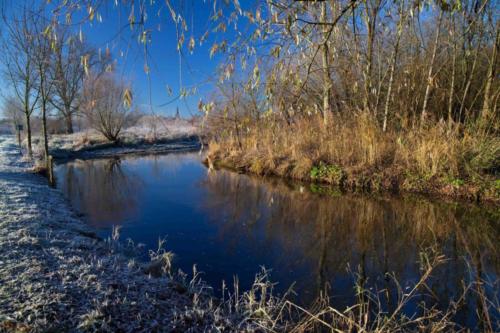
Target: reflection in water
{"points": [[101, 190], [231, 224], [373, 236]]}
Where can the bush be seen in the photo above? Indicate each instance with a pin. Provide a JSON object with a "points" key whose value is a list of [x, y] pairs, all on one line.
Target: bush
{"points": [[107, 105]]}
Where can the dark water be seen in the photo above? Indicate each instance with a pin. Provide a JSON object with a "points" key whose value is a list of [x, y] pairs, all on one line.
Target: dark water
{"points": [[312, 237]]}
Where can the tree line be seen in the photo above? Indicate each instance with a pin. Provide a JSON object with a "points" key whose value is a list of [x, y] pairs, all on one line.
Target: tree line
{"points": [[407, 65], [50, 67], [407, 62]]}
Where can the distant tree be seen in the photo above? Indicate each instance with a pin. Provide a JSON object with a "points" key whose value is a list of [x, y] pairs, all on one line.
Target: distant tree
{"points": [[72, 58], [19, 68], [12, 110], [107, 104]]}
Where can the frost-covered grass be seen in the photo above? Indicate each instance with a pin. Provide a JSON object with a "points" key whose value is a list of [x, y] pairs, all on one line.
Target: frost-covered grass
{"points": [[56, 275], [146, 136], [144, 132]]}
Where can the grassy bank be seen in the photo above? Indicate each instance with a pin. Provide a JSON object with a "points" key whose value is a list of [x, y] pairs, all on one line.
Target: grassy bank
{"points": [[89, 144], [58, 276], [355, 154]]}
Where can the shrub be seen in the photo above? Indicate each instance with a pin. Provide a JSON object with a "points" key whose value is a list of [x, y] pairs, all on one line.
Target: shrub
{"points": [[107, 105]]}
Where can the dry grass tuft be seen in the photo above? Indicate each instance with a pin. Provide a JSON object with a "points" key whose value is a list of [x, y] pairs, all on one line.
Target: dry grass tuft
{"points": [[414, 159]]}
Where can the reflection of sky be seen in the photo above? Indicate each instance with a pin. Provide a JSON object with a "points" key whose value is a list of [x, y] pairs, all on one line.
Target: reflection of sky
{"points": [[233, 224]]}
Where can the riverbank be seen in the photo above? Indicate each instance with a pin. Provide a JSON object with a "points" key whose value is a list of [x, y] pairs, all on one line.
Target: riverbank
{"points": [[137, 147], [89, 144], [356, 155], [486, 191], [57, 275]]}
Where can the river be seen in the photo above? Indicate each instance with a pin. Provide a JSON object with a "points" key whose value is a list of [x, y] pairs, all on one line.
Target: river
{"points": [[314, 238]]}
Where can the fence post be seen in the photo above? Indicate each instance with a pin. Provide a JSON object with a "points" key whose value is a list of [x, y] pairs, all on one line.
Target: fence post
{"points": [[18, 137], [19, 128], [51, 171]]}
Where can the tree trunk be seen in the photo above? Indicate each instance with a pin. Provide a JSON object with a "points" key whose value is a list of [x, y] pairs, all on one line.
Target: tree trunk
{"points": [[452, 83], [428, 87], [43, 100], [27, 113], [69, 122], [45, 138], [391, 75], [452, 89], [469, 78], [28, 135], [327, 84], [371, 21], [18, 133], [486, 109], [389, 90]]}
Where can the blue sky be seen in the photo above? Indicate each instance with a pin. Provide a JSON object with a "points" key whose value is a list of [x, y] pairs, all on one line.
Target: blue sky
{"points": [[197, 69], [193, 70]]}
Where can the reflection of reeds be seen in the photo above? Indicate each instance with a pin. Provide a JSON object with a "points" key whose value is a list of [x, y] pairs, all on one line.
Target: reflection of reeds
{"points": [[410, 218], [258, 306], [380, 236], [368, 314]]}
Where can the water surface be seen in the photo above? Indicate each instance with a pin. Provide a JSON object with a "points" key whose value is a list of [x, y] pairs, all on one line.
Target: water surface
{"points": [[312, 237]]}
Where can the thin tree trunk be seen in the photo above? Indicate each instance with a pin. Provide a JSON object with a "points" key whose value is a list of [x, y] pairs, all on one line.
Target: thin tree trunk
{"points": [[389, 89], [27, 113], [452, 91], [428, 87], [327, 84], [469, 79], [391, 75], [371, 17], [486, 109], [28, 134], [43, 101], [452, 83], [45, 138]]}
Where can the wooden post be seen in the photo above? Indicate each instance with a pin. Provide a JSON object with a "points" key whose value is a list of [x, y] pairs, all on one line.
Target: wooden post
{"points": [[50, 171], [18, 137], [19, 128]]}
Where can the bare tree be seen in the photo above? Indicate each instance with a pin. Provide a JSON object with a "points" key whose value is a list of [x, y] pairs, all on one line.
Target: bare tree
{"points": [[106, 103], [70, 56], [13, 110], [430, 74], [19, 67], [327, 82], [394, 58], [372, 9], [42, 53], [486, 111]]}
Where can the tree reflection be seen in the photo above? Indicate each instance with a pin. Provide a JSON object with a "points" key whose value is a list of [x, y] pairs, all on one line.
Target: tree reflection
{"points": [[373, 235], [102, 190]]}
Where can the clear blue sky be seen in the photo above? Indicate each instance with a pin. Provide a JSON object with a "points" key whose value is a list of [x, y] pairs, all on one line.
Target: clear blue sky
{"points": [[197, 69], [163, 58]]}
